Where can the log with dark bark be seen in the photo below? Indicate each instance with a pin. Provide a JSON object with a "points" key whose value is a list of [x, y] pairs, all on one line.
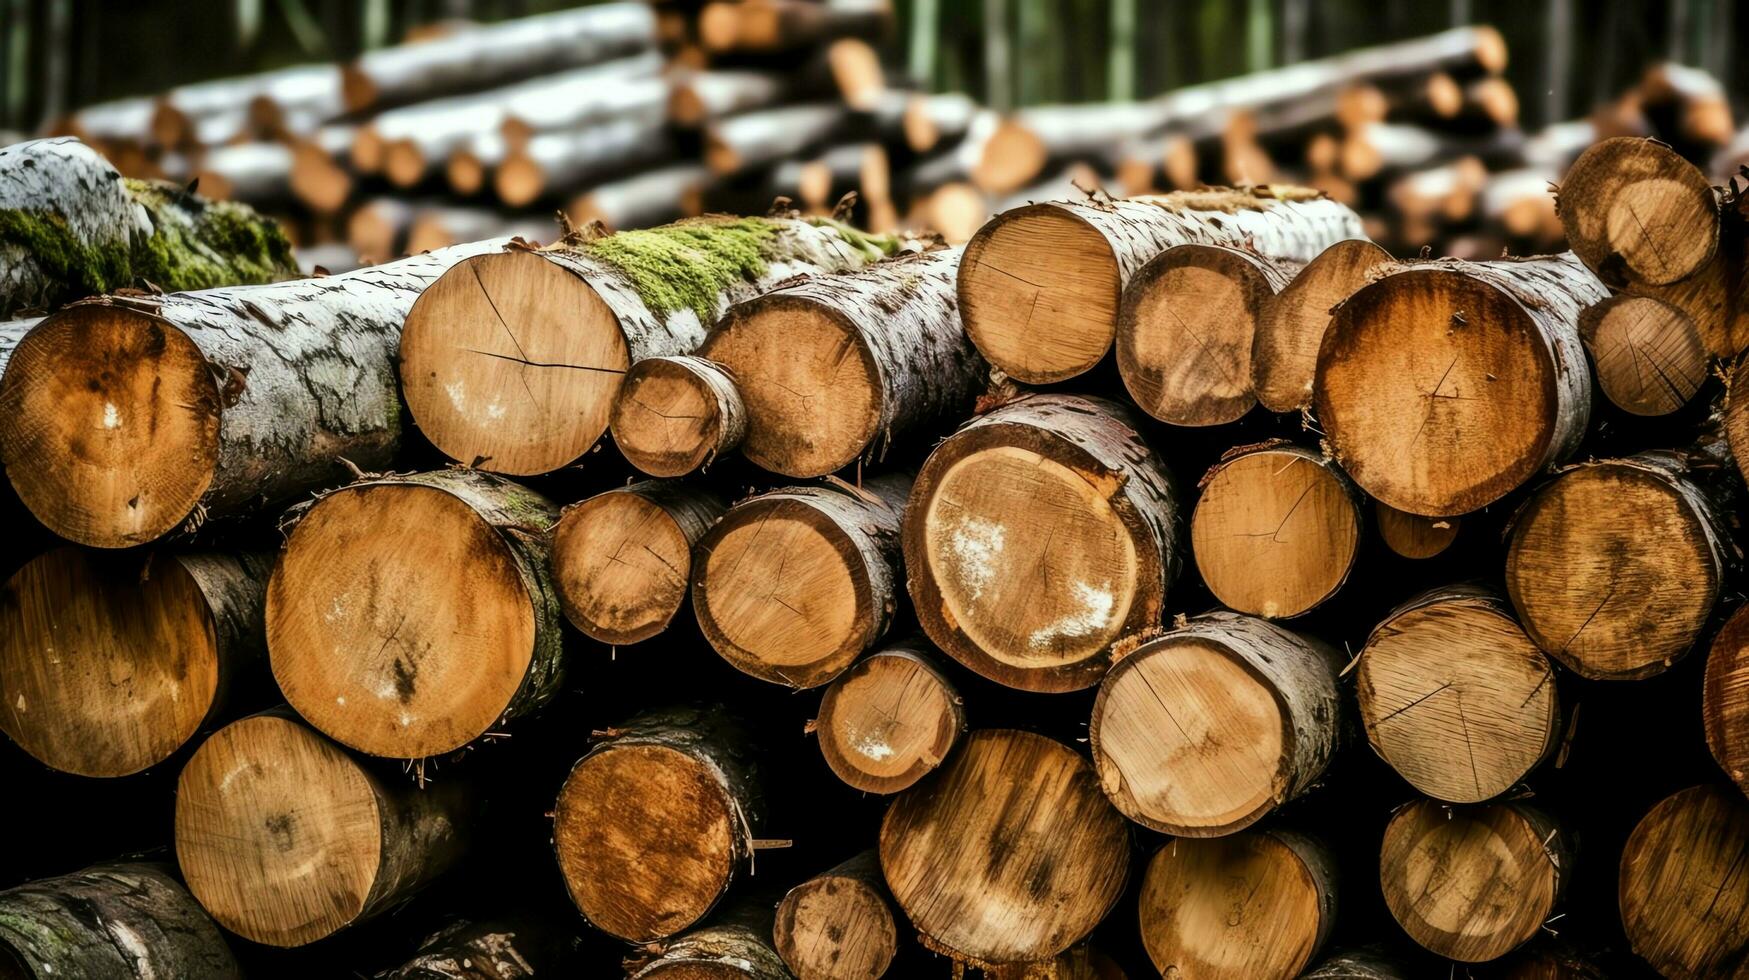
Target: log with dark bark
{"points": [[1648, 355], [654, 823], [1725, 699], [498, 949], [675, 415], [734, 944], [838, 923], [206, 404], [286, 839], [622, 560], [1066, 851], [410, 615], [833, 368], [889, 720], [785, 25], [651, 198], [111, 921], [1684, 897], [513, 361], [1291, 323], [1039, 286], [1364, 963], [1486, 355], [1638, 214], [1255, 718]]}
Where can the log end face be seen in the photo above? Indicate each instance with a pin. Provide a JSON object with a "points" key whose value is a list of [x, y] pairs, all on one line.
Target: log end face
{"points": [[1636, 212], [1186, 326], [1013, 157], [1726, 699], [888, 722], [1649, 355], [1684, 901], [667, 421], [833, 926], [1230, 908], [857, 73], [1291, 324], [621, 565], [1414, 536]]}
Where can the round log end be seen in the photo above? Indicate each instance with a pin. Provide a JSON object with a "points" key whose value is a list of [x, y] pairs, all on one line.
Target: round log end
{"points": [[1684, 899], [856, 71], [519, 180], [1184, 334], [466, 173], [1649, 356], [321, 184], [403, 163], [357, 90], [1012, 158], [956, 210], [675, 415], [1726, 700], [621, 564], [1038, 291], [835, 926], [888, 721], [1412, 535], [1291, 324], [1636, 212]]}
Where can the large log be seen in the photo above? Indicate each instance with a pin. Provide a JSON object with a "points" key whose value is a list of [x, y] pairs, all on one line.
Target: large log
{"points": [[286, 839], [514, 360], [1038, 535], [1205, 730], [1291, 324], [1648, 355], [110, 921], [410, 615], [1713, 297], [125, 417], [675, 415], [1486, 355], [653, 824], [793, 585], [1638, 214], [1064, 851], [1684, 898], [889, 720], [182, 627], [838, 923], [1039, 286], [1725, 699], [1615, 566]]}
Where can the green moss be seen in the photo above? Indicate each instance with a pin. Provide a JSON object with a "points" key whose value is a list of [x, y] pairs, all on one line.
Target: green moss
{"points": [[81, 269], [687, 264]]}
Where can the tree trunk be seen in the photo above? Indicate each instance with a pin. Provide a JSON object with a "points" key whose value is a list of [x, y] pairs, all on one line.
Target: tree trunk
{"points": [[1037, 536], [286, 839], [838, 923], [1284, 882], [890, 720], [1684, 899], [1638, 214], [1292, 322], [490, 950], [793, 585], [1255, 718], [833, 367], [1647, 354], [1039, 287], [118, 921], [1725, 703], [206, 404], [702, 97], [645, 200], [1473, 883], [558, 163], [785, 25], [1615, 565], [184, 627], [258, 174], [756, 139], [1065, 851], [734, 945], [513, 362], [622, 560], [676, 415], [653, 824], [412, 614], [1276, 529], [1485, 354], [933, 121]]}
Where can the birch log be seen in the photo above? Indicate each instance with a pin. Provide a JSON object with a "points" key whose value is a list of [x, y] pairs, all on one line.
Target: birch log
{"points": [[675, 415], [1638, 214], [1291, 323], [1648, 354], [112, 921]]}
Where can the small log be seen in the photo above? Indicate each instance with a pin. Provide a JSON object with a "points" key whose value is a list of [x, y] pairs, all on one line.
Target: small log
{"points": [[114, 921], [785, 25], [1081, 255], [286, 839], [1647, 354], [838, 923], [1414, 536], [256, 105], [1684, 900], [1713, 297], [1485, 354], [1544, 958], [933, 121], [490, 950], [653, 824], [1291, 323], [832, 368], [675, 415], [207, 404], [410, 615], [631, 88], [1725, 700], [1455, 697], [1046, 481], [791, 586], [557, 163], [1065, 851], [1472, 883], [319, 179], [563, 324], [1688, 106], [655, 197], [735, 944], [1363, 963], [1255, 717], [704, 96], [889, 720], [622, 560], [1638, 214], [1380, 151], [1615, 566], [254, 173], [755, 139], [1284, 882]]}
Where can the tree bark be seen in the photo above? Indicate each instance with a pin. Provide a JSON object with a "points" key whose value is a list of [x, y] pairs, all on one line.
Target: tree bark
{"points": [[1046, 481], [258, 174], [111, 920], [1292, 322], [501, 949], [410, 615], [1363, 963], [1648, 356], [838, 923], [559, 162], [210, 404], [655, 197], [676, 415], [1684, 900], [785, 25], [890, 720], [734, 944], [756, 139]]}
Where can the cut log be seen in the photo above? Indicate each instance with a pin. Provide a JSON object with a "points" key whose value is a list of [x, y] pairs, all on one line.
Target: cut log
{"points": [[1713, 297], [1472, 883], [1291, 323], [1684, 897], [1615, 566], [1186, 324], [514, 361], [735, 944], [793, 585], [631, 88], [560, 162], [933, 121], [832, 368], [410, 615], [785, 25], [11, 333], [654, 822], [1412, 535], [119, 120], [675, 415], [286, 839], [622, 560], [126, 417], [255, 173], [1284, 883], [115, 921], [497, 54], [755, 139], [889, 720], [1276, 529], [1456, 697], [377, 229], [1485, 354], [1254, 719], [319, 180], [1364, 963], [1039, 287], [1725, 702], [181, 627], [436, 228], [648, 199], [839, 923], [327, 259], [505, 949], [1638, 214], [1647, 354], [1033, 800], [704, 96], [1688, 106], [183, 116], [1380, 151]]}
